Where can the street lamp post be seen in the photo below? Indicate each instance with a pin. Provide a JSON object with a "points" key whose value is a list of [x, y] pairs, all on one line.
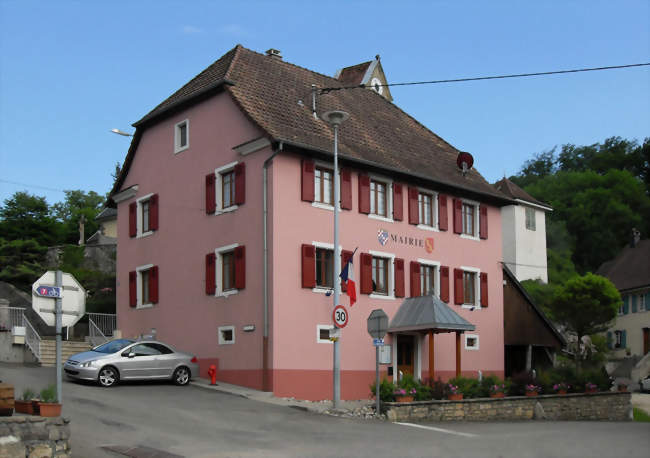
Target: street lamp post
{"points": [[335, 118]]}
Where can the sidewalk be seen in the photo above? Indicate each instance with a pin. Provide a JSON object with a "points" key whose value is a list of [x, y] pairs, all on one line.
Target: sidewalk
{"points": [[346, 408]]}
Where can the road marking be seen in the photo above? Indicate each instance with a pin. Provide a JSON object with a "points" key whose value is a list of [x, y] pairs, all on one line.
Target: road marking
{"points": [[440, 430]]}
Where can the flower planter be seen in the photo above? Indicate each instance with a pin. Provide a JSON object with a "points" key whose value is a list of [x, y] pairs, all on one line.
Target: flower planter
{"points": [[455, 397], [497, 395], [622, 388], [530, 394], [591, 390], [403, 398], [561, 392], [24, 407], [50, 409], [36, 408]]}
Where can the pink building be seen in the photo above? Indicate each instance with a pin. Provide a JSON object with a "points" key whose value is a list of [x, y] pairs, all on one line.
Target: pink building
{"points": [[225, 215]]}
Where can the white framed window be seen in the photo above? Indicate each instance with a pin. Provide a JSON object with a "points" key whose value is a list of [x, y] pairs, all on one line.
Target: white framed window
{"points": [[323, 333], [618, 339], [181, 136], [429, 277], [471, 287], [324, 266], [471, 342], [324, 185], [226, 335], [143, 216], [428, 210], [643, 305], [530, 219], [470, 218], [143, 278], [225, 188], [225, 270], [383, 277], [381, 198]]}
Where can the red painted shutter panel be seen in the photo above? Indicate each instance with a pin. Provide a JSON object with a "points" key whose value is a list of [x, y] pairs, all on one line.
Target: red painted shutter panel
{"points": [[458, 216], [153, 213], [346, 189], [133, 219], [308, 254], [210, 273], [240, 267], [414, 211], [415, 279], [444, 283], [459, 293], [153, 285], [483, 222], [399, 278], [307, 180], [366, 273], [364, 194], [398, 202], [133, 288], [240, 183], [484, 289], [443, 223], [345, 255], [210, 193]]}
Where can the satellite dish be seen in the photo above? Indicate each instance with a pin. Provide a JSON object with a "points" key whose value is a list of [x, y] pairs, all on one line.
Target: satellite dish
{"points": [[465, 161]]}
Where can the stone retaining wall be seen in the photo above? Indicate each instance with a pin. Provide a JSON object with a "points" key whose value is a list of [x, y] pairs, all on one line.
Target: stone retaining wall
{"points": [[34, 437], [573, 407]]}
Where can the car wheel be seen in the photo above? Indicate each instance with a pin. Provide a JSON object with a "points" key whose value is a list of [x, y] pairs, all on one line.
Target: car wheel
{"points": [[108, 376], [181, 376]]}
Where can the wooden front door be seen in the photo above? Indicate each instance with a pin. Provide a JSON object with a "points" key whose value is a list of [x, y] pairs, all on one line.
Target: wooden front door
{"points": [[406, 354], [646, 340]]}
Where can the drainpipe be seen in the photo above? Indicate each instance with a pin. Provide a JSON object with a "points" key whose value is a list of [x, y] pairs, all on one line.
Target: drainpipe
{"points": [[265, 339]]}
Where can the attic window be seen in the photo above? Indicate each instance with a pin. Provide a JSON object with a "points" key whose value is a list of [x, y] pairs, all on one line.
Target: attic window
{"points": [[181, 136]]}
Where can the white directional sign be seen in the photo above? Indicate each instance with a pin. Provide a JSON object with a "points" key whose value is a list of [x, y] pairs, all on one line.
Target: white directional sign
{"points": [[73, 299], [340, 316]]}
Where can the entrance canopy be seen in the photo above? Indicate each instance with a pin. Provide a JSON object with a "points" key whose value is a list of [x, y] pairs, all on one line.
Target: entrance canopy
{"points": [[427, 312]]}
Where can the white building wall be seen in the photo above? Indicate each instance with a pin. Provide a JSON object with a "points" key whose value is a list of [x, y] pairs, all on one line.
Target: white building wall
{"points": [[524, 250]]}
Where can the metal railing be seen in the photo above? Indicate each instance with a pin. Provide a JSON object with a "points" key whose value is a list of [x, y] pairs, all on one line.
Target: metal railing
{"points": [[95, 335], [32, 339], [10, 317], [105, 323]]}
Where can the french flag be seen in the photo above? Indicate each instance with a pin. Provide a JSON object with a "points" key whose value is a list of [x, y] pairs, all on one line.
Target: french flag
{"points": [[347, 276]]}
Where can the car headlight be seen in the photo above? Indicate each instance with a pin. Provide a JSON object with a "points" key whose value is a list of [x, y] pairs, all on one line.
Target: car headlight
{"points": [[87, 364]]}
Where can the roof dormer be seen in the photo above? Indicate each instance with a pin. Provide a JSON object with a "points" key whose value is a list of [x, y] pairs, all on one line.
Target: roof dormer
{"points": [[371, 74]]}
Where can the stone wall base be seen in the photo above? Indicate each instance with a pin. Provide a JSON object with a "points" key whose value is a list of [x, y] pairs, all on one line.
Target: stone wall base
{"points": [[34, 437]]}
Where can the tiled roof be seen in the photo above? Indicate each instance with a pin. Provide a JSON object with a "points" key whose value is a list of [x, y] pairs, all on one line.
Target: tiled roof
{"points": [[377, 133], [513, 191], [630, 269], [353, 75]]}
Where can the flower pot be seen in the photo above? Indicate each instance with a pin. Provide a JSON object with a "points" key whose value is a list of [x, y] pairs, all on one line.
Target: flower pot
{"points": [[530, 394], [591, 390], [622, 388], [24, 407], [455, 397], [50, 409], [404, 398], [561, 392], [497, 395]]}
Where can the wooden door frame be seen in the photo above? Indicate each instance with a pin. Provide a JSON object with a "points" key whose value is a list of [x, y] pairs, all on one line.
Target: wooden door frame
{"points": [[417, 354]]}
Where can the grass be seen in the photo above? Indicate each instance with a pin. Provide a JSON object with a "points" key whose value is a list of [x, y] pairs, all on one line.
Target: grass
{"points": [[640, 415]]}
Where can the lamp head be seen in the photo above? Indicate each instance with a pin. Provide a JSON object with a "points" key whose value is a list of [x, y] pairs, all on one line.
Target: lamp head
{"points": [[335, 117]]}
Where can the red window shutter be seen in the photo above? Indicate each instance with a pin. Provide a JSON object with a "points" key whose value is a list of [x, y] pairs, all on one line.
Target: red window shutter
{"points": [[240, 267], [345, 255], [153, 285], [444, 283], [364, 194], [210, 274], [133, 288], [210, 193], [484, 289], [366, 273], [307, 180], [415, 279], [458, 216], [443, 223], [240, 183], [346, 189], [308, 253], [483, 222], [153, 212], [398, 202], [399, 277], [133, 219], [414, 211], [459, 294]]}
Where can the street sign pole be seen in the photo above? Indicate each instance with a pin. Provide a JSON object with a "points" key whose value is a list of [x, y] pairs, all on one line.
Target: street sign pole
{"points": [[58, 307], [377, 377], [377, 328]]}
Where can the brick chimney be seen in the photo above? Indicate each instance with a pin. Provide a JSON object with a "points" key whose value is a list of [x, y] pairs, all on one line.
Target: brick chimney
{"points": [[272, 52]]}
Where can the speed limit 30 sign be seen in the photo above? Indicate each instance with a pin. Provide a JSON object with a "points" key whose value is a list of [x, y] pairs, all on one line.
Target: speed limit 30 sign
{"points": [[340, 316]]}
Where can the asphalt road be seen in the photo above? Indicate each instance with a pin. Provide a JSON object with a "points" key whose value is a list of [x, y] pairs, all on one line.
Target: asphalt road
{"points": [[195, 422]]}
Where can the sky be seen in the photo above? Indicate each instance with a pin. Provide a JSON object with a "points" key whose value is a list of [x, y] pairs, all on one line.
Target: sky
{"points": [[72, 71]]}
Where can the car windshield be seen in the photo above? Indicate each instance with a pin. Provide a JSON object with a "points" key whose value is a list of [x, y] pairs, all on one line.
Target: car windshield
{"points": [[113, 346]]}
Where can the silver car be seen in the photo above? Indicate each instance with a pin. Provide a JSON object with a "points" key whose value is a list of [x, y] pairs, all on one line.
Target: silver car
{"points": [[125, 359]]}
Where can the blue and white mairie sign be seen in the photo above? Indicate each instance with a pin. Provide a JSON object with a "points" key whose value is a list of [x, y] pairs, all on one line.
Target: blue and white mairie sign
{"points": [[378, 342], [48, 291], [382, 236]]}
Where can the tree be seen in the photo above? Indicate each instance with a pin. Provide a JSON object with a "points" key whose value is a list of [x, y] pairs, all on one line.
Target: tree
{"points": [[78, 203], [542, 165], [25, 216], [586, 305], [21, 262]]}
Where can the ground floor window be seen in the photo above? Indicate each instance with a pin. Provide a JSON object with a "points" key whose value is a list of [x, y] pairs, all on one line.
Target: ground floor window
{"points": [[226, 335]]}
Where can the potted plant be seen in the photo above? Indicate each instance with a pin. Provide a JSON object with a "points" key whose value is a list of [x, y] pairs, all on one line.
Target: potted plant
{"points": [[622, 386], [497, 391], [532, 389], [25, 404], [401, 396], [590, 387], [49, 404], [454, 393], [561, 388]]}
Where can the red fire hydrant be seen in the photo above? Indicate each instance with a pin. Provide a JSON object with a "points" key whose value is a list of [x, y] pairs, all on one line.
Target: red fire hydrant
{"points": [[212, 373]]}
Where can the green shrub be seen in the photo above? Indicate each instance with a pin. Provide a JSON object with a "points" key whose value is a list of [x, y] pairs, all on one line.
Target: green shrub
{"points": [[386, 390], [28, 394], [49, 394], [470, 387], [436, 388]]}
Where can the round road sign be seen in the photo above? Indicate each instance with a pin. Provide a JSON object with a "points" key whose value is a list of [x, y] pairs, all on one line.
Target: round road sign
{"points": [[340, 316]]}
